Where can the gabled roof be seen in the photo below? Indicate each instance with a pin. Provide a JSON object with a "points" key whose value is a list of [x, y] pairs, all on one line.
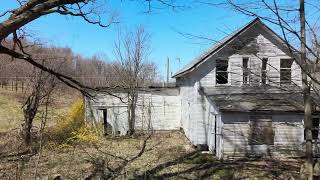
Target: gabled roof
{"points": [[221, 44]]}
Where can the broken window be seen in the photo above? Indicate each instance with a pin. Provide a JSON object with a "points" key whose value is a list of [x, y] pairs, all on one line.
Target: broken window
{"points": [[285, 71], [261, 131], [246, 73], [264, 71], [315, 128], [222, 72]]}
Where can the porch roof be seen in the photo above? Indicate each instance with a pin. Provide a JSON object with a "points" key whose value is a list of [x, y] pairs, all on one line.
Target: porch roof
{"points": [[279, 102]]}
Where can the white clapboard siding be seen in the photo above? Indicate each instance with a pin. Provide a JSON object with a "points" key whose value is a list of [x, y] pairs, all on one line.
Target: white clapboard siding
{"points": [[288, 135], [154, 111]]}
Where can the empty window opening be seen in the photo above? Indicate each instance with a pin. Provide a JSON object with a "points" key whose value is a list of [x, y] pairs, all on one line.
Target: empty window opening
{"points": [[315, 128], [222, 72], [264, 70], [285, 71], [246, 73], [261, 131]]}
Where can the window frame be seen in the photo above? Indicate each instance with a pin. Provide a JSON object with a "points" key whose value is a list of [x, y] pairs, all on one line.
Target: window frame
{"points": [[289, 82], [227, 71], [264, 72], [260, 119], [313, 129], [246, 70]]}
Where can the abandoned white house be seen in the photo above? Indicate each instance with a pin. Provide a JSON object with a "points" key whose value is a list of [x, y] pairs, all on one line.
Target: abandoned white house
{"points": [[240, 98]]}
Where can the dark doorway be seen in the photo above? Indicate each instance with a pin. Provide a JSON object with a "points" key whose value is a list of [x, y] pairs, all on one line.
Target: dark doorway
{"points": [[107, 128], [105, 122]]}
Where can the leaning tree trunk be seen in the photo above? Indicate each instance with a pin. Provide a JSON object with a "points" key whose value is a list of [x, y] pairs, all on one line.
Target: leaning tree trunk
{"points": [[306, 96], [29, 109]]}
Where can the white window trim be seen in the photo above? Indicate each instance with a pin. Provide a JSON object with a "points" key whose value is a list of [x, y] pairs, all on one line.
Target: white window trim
{"points": [[285, 68], [228, 70], [249, 78], [267, 70]]}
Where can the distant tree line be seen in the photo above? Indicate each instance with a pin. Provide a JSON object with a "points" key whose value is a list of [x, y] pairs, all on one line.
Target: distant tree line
{"points": [[93, 71]]}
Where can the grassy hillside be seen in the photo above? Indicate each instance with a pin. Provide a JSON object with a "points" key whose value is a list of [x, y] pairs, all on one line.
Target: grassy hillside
{"points": [[11, 102], [10, 110]]}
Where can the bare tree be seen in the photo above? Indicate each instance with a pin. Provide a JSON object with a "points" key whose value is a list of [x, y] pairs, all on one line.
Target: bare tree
{"points": [[132, 68], [27, 11], [41, 86]]}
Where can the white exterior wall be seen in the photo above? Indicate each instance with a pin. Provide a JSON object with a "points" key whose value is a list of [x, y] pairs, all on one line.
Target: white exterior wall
{"points": [[154, 111], [193, 114], [266, 50], [288, 135], [205, 76]]}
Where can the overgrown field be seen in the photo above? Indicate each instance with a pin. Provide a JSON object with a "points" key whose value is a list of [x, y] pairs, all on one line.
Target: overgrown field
{"points": [[81, 152], [11, 103]]}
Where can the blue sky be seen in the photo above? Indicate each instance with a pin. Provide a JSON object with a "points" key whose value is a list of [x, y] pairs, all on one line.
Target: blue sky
{"points": [[163, 25]]}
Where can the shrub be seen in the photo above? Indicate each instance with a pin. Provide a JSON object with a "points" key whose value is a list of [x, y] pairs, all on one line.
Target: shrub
{"points": [[72, 128]]}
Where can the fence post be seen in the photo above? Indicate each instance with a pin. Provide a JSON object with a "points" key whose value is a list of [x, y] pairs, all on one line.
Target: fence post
{"points": [[16, 84]]}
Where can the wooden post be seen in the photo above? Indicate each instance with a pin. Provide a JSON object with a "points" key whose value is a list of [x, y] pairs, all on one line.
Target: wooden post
{"points": [[167, 71], [16, 84]]}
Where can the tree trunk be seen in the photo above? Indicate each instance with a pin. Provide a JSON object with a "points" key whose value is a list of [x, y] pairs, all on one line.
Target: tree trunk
{"points": [[27, 129], [132, 117], [306, 96], [30, 109]]}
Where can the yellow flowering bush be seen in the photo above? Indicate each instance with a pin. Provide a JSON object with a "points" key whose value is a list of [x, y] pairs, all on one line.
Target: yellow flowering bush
{"points": [[72, 128]]}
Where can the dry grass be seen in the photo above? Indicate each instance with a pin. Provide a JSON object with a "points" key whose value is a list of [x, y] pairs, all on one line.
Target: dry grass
{"points": [[168, 155], [10, 110], [74, 162], [11, 102]]}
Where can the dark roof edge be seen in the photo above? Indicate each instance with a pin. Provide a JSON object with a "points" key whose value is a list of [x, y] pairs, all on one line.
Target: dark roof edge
{"points": [[268, 111]]}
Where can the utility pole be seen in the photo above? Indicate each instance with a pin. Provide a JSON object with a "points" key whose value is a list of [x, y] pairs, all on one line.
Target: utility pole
{"points": [[168, 73], [179, 61], [306, 94]]}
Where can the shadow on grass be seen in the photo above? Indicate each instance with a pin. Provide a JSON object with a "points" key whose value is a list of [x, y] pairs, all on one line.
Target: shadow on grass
{"points": [[13, 148], [196, 165]]}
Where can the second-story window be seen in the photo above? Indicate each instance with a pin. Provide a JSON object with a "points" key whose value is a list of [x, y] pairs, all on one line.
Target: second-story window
{"points": [[246, 73], [264, 70], [285, 71], [222, 72]]}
